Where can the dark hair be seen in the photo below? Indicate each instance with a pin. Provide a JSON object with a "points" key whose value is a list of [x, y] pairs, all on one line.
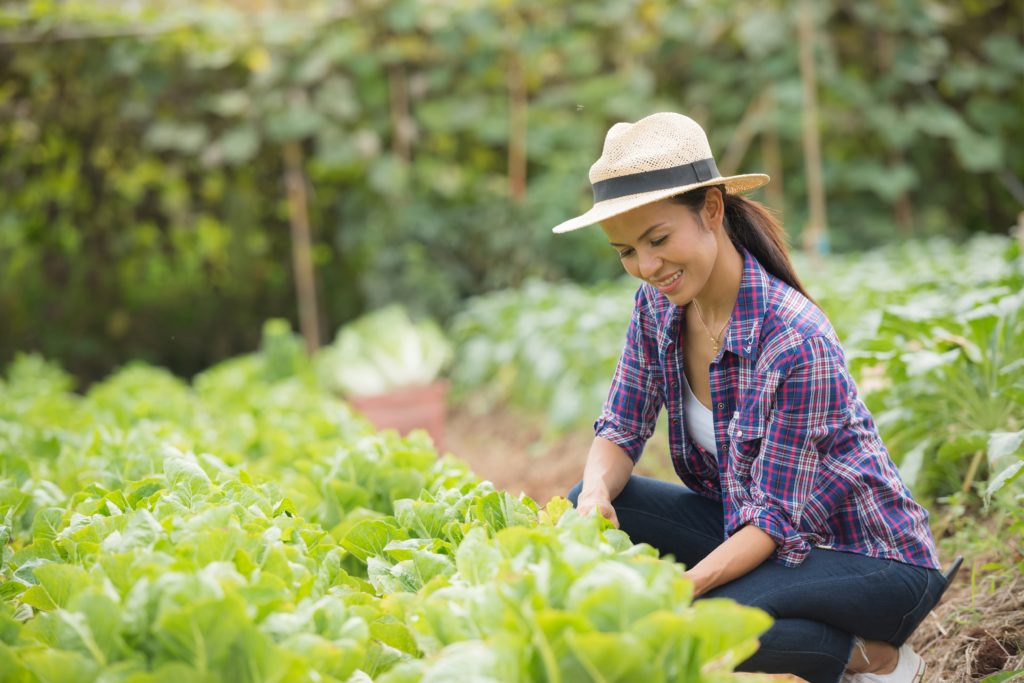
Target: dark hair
{"points": [[753, 226]]}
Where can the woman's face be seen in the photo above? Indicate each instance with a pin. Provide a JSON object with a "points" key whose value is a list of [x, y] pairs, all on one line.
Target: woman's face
{"points": [[666, 245]]}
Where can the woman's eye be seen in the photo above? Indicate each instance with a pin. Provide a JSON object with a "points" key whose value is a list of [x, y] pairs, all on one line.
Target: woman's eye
{"points": [[658, 242], [625, 252]]}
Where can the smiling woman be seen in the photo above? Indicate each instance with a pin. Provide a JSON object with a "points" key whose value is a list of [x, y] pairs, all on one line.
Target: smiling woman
{"points": [[791, 502]]}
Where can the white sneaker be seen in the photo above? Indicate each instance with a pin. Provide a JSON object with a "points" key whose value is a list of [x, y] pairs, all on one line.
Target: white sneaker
{"points": [[909, 669]]}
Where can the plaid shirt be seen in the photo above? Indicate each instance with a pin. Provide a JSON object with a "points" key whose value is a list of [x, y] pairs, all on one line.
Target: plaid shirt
{"points": [[800, 457]]}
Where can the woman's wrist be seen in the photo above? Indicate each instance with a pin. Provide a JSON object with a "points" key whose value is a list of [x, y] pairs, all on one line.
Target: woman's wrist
{"points": [[595, 492], [704, 577]]}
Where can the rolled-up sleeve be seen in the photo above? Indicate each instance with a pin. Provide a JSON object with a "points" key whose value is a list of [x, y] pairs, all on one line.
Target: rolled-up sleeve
{"points": [[635, 397], [811, 405]]}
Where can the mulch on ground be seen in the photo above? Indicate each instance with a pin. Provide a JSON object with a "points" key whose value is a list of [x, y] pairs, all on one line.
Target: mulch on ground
{"points": [[977, 631]]}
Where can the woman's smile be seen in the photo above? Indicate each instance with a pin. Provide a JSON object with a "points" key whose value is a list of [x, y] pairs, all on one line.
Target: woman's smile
{"points": [[669, 284]]}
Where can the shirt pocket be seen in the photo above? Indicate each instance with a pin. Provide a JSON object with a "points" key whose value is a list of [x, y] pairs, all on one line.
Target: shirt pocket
{"points": [[746, 432]]}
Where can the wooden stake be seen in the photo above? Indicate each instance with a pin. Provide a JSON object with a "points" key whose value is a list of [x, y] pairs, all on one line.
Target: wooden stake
{"points": [[771, 152], [401, 120], [302, 249], [817, 225], [517, 127], [744, 133]]}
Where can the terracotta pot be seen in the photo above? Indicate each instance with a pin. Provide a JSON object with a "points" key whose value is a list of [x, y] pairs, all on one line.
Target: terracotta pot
{"points": [[408, 408]]}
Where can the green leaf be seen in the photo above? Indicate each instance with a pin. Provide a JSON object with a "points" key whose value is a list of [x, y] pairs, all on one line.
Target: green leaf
{"points": [[96, 623], [368, 538], [727, 632], [61, 581], [240, 144], [38, 597], [477, 558], [59, 666], [183, 472], [47, 524], [1003, 445], [184, 137], [1003, 676], [1002, 479], [395, 634], [422, 518], [610, 657], [285, 507], [499, 510]]}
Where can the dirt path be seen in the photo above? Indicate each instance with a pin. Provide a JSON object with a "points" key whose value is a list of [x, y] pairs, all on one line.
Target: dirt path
{"points": [[513, 452]]}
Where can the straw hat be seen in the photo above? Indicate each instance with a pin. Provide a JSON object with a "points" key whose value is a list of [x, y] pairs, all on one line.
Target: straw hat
{"points": [[659, 156]]}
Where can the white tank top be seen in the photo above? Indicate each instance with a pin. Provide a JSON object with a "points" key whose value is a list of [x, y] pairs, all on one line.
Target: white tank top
{"points": [[700, 423]]}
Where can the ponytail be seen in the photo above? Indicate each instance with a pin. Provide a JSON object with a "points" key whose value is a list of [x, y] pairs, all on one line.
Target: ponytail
{"points": [[754, 227]]}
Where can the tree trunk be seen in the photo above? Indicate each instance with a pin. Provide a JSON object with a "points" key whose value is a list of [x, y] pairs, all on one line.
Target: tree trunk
{"points": [[517, 124], [771, 152], [816, 230]]}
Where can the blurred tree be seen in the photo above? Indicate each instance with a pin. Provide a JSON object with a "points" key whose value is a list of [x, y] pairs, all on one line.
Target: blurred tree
{"points": [[143, 210]]}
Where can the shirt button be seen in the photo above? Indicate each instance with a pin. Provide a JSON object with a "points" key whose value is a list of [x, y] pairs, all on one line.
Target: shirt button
{"points": [[721, 406], [740, 433]]}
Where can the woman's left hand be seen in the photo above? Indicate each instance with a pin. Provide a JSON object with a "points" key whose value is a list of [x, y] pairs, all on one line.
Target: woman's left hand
{"points": [[743, 551], [702, 583]]}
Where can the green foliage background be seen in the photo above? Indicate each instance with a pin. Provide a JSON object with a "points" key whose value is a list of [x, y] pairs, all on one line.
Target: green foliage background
{"points": [[142, 207]]}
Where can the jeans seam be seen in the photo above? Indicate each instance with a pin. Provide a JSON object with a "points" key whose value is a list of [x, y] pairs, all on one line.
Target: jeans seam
{"points": [[924, 594], [668, 521]]}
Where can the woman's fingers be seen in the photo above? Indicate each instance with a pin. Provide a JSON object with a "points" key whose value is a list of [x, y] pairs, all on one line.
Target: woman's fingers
{"points": [[608, 512], [603, 507]]}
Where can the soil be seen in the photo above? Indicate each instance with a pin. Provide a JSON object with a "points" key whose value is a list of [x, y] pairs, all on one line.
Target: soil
{"points": [[511, 450], [976, 631]]}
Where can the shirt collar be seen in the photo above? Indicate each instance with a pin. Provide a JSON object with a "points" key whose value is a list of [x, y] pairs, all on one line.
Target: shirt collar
{"points": [[751, 305], [747, 315]]}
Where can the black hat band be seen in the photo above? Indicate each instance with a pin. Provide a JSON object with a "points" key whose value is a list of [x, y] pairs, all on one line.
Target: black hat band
{"points": [[660, 179]]}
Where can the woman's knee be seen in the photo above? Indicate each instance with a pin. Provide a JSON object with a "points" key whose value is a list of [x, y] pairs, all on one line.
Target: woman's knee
{"points": [[811, 650]]}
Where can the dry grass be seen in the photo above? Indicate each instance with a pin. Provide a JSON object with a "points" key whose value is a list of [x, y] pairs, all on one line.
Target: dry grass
{"points": [[977, 631]]}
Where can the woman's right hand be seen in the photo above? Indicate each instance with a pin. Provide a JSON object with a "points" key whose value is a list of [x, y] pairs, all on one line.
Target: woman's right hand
{"points": [[605, 475], [597, 501]]}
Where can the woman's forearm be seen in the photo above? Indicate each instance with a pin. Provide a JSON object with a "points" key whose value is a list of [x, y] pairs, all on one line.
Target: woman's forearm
{"points": [[607, 469], [742, 552], [605, 475]]}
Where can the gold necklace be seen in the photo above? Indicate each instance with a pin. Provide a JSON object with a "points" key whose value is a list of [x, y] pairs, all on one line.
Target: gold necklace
{"points": [[714, 339]]}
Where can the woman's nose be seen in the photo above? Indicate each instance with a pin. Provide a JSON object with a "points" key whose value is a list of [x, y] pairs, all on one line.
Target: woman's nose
{"points": [[648, 264]]}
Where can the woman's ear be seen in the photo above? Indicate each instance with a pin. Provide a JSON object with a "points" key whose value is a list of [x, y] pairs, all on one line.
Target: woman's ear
{"points": [[714, 208]]}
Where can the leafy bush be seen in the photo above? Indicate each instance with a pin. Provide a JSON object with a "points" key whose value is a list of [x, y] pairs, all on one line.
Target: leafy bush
{"points": [[381, 351], [547, 347]]}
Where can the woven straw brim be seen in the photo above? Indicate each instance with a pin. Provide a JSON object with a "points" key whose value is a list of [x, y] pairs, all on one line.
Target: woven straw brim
{"points": [[613, 207]]}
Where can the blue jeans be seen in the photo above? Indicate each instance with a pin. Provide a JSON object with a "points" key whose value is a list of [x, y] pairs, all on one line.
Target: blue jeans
{"points": [[818, 606]]}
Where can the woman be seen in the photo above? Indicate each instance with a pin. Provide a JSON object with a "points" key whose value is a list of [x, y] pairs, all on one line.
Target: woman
{"points": [[791, 502]]}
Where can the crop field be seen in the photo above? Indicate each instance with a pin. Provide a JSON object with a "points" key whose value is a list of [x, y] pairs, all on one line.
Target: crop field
{"points": [[249, 527]]}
